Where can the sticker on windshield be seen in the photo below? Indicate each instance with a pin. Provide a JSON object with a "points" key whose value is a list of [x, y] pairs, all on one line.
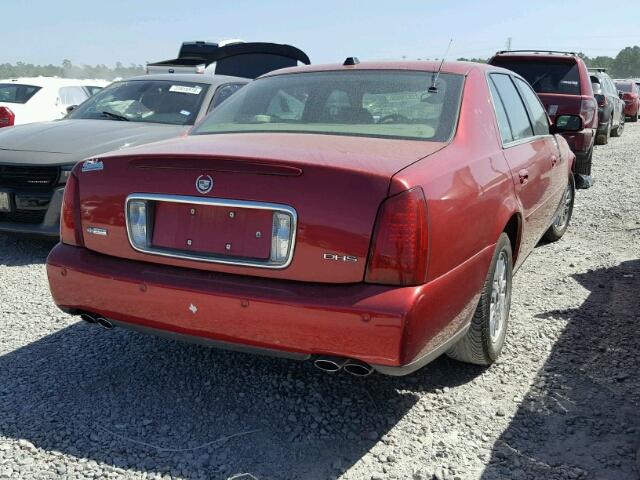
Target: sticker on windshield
{"points": [[92, 165], [553, 109], [186, 113], [184, 89]]}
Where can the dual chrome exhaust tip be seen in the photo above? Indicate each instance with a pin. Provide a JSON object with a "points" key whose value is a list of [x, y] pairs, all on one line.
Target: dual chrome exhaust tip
{"points": [[91, 318], [335, 364]]}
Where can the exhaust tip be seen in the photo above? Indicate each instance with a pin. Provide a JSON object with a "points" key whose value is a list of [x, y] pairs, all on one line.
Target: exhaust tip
{"points": [[358, 369], [329, 364], [103, 322], [87, 317]]}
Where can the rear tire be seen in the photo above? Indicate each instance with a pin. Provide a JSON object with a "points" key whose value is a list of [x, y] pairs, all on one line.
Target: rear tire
{"points": [[617, 132], [634, 118], [583, 163], [603, 138], [485, 338], [563, 216]]}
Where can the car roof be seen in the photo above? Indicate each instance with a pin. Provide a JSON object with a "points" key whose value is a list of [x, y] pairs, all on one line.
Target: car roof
{"points": [[190, 77], [534, 54], [46, 81], [461, 68]]}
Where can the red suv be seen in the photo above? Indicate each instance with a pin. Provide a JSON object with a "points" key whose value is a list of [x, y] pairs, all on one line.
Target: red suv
{"points": [[631, 97], [562, 82]]}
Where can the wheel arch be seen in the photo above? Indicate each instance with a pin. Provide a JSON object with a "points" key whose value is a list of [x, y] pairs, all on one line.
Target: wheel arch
{"points": [[513, 229]]}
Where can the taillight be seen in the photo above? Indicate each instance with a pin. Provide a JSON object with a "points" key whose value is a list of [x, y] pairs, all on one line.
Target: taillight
{"points": [[588, 109], [7, 117], [70, 223], [398, 254]]}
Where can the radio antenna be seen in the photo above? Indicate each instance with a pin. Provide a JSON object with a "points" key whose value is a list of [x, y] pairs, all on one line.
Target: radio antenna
{"points": [[434, 79]]}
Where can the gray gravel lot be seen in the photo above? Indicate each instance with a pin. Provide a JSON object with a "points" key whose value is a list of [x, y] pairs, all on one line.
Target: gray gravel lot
{"points": [[563, 401]]}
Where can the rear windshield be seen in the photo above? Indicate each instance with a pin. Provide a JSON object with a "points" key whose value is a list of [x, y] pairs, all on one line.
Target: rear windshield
{"points": [[16, 92], [150, 101], [624, 87], [546, 77], [374, 103]]}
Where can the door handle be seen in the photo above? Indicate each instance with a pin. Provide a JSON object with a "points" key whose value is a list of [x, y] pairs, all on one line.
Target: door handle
{"points": [[524, 176]]}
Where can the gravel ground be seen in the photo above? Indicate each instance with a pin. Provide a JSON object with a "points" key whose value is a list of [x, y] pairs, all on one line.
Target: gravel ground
{"points": [[77, 401]]}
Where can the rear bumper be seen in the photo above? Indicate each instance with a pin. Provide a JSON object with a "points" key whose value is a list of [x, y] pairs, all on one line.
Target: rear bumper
{"points": [[631, 109], [396, 330], [48, 224], [580, 142]]}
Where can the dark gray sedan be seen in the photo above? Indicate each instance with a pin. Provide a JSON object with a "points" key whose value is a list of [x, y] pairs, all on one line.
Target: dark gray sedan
{"points": [[35, 159]]}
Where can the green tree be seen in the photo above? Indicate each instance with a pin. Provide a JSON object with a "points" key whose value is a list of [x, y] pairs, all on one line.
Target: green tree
{"points": [[626, 63]]}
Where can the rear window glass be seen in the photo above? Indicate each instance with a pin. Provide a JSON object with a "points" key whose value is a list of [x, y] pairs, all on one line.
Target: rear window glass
{"points": [[546, 77], [17, 93], [374, 103], [624, 87]]}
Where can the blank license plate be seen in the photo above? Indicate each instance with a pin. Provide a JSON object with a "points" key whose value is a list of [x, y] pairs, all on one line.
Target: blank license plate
{"points": [[5, 205], [236, 232]]}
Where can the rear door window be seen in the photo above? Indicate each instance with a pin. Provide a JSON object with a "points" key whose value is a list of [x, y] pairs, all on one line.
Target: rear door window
{"points": [[515, 109], [546, 77], [501, 115], [536, 110], [17, 93]]}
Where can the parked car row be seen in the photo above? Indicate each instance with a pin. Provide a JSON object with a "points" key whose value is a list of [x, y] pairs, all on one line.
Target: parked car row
{"points": [[368, 216], [567, 87]]}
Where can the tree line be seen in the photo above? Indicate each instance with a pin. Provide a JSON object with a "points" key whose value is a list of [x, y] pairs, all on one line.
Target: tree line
{"points": [[69, 70], [626, 64]]}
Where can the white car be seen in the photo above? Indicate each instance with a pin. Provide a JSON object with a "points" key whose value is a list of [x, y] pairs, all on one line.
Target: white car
{"points": [[38, 99]]}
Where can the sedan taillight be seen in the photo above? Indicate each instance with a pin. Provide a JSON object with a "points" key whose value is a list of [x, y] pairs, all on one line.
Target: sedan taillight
{"points": [[7, 117], [398, 254], [70, 223]]}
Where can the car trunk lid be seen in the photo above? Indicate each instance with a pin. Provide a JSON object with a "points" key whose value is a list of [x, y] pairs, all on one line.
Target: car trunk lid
{"points": [[216, 211]]}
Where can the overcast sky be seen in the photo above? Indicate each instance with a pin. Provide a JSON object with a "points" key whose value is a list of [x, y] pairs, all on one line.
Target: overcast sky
{"points": [[45, 31]]}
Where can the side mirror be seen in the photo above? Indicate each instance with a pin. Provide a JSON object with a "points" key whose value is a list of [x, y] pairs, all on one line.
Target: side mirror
{"points": [[567, 123], [71, 108], [621, 94]]}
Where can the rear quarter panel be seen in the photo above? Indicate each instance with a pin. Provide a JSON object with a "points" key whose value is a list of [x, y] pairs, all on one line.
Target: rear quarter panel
{"points": [[470, 198]]}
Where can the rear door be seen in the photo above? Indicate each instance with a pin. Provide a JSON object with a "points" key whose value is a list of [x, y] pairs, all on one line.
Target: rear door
{"points": [[540, 123], [528, 155]]}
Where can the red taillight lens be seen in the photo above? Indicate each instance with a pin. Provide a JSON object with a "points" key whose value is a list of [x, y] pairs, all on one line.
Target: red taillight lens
{"points": [[7, 117], [70, 223], [588, 108], [398, 254]]}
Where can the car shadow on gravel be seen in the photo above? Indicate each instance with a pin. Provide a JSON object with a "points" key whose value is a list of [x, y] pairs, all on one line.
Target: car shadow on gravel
{"points": [[581, 418], [17, 250], [143, 403]]}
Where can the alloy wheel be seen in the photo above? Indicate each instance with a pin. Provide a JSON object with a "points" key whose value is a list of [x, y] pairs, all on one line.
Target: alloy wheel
{"points": [[498, 306], [565, 210]]}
